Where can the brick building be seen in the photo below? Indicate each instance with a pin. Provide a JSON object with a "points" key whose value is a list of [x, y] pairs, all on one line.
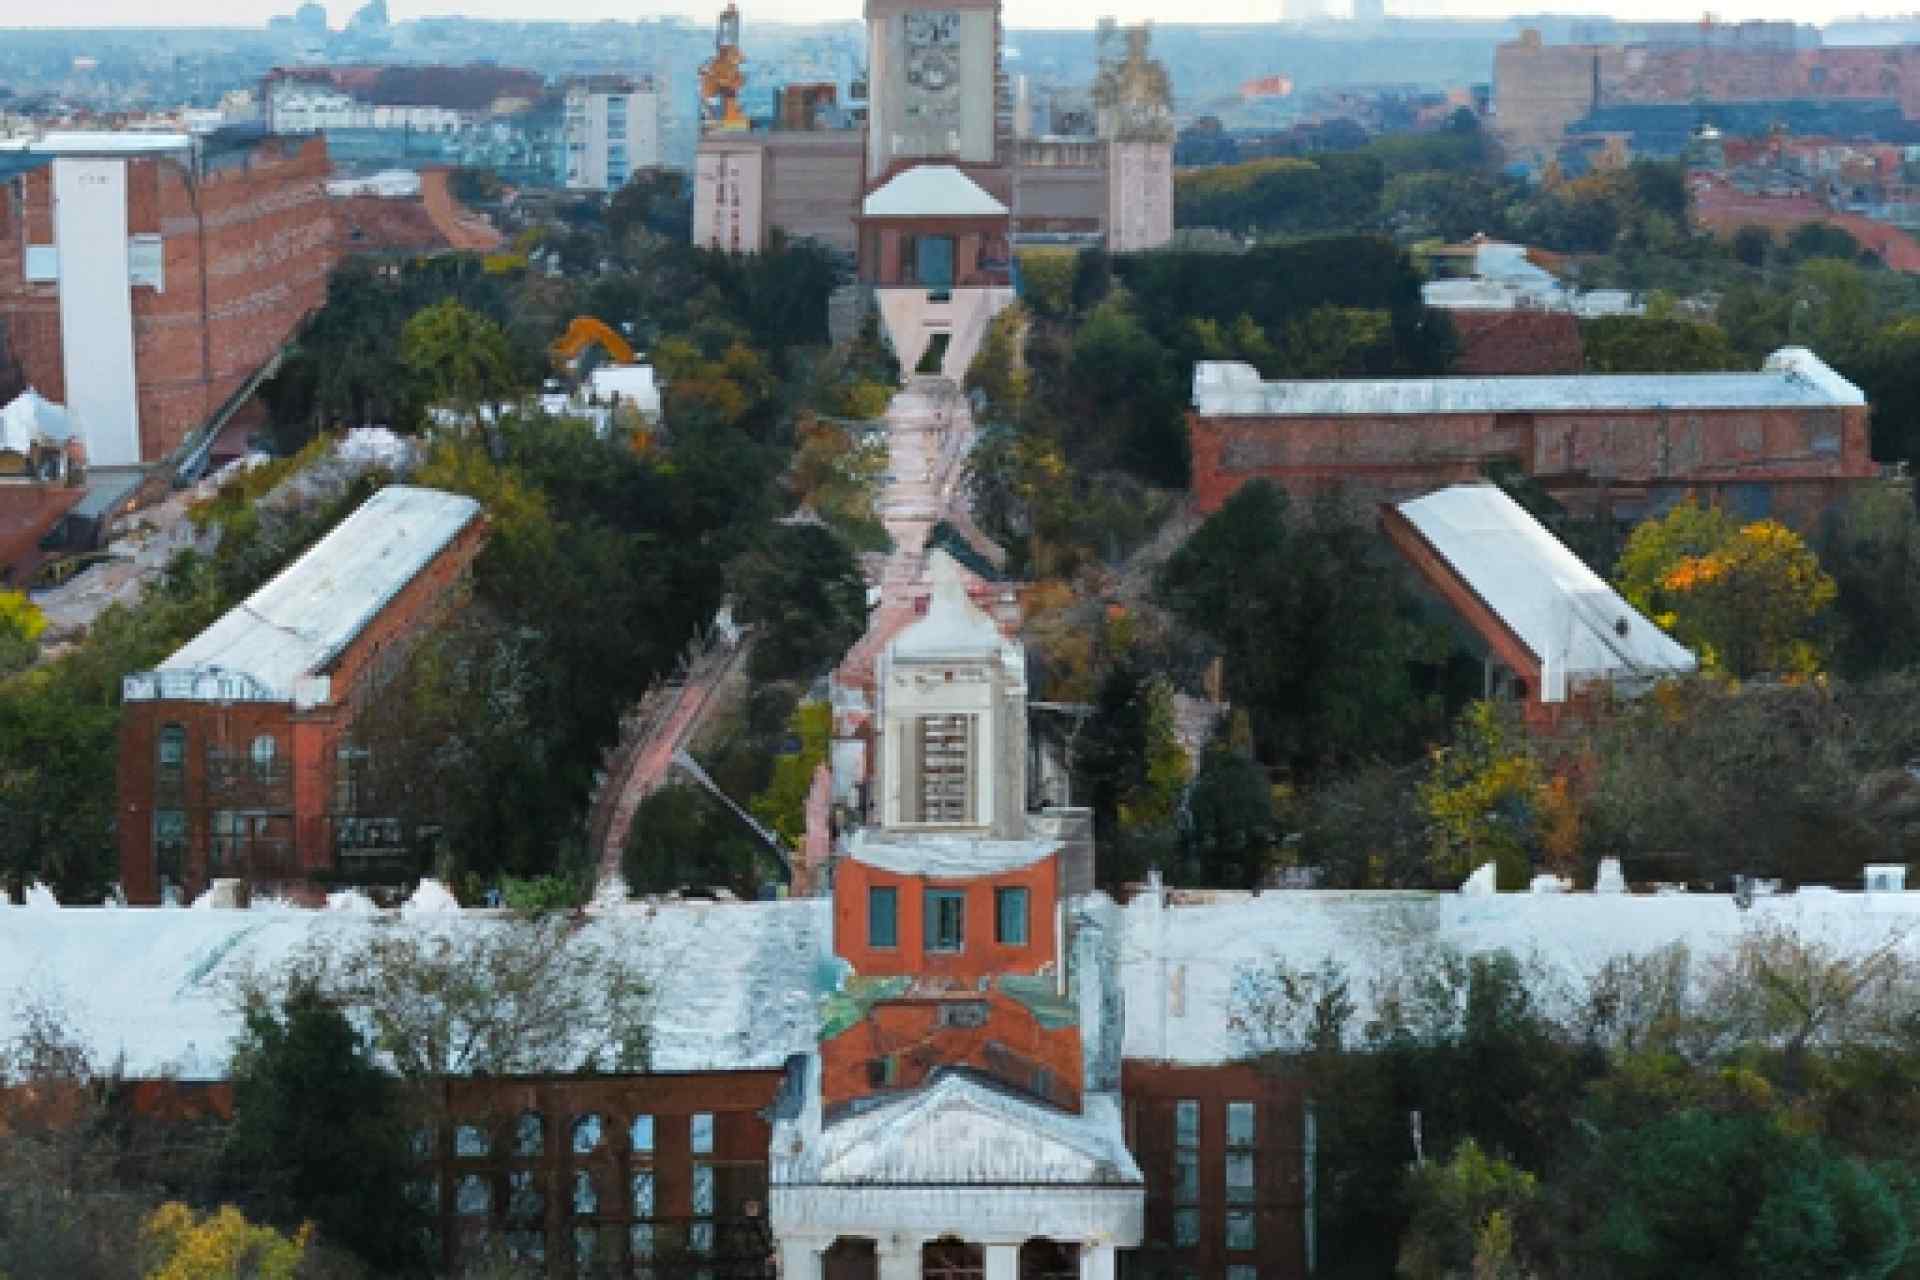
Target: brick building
{"points": [[1540, 88], [1787, 440], [236, 756], [145, 279]]}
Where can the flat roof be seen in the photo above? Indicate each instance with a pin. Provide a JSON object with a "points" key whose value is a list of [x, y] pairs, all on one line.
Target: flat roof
{"points": [[109, 142], [1792, 377], [1578, 627], [297, 624]]}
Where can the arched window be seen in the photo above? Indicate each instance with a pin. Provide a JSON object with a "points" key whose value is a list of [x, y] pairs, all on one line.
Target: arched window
{"points": [[263, 752], [588, 1131]]}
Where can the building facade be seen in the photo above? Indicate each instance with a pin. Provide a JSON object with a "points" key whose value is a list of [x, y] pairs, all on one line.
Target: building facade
{"points": [[146, 279], [612, 130], [237, 756], [1787, 440]]}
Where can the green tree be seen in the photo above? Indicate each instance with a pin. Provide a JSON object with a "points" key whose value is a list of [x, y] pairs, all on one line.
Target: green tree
{"points": [[1871, 545], [1464, 1215], [320, 1134], [1309, 621], [1632, 344], [1230, 832], [1482, 797], [684, 839], [459, 357], [1129, 385], [1832, 309], [804, 595]]}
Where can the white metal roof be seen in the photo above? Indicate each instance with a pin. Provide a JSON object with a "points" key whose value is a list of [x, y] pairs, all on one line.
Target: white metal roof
{"points": [[734, 982], [31, 417], [945, 857], [932, 191], [294, 626], [1579, 628], [1792, 377], [110, 142]]}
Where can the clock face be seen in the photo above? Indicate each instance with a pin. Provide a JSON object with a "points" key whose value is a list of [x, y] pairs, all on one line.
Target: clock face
{"points": [[935, 70]]}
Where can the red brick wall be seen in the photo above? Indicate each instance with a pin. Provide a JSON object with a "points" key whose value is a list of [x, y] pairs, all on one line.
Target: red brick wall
{"points": [[1517, 342], [1151, 1093], [1013, 1047], [1808, 457], [247, 254], [307, 743], [979, 957]]}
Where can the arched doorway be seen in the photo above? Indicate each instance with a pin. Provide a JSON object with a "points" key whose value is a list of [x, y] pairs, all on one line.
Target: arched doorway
{"points": [[1042, 1259], [850, 1258], [950, 1259]]}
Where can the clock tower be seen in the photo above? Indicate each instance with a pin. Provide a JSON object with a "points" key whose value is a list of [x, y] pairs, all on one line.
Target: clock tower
{"points": [[935, 73]]}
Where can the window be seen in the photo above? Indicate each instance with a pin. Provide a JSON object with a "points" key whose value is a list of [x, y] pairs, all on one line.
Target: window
{"points": [[350, 766], [1186, 1228], [963, 1013], [1186, 1123], [946, 919], [882, 1072], [169, 843], [883, 917], [642, 1134], [642, 1191], [1240, 1124], [1240, 1229], [470, 1141], [586, 1196], [229, 835], [941, 769], [472, 1197], [702, 1133], [523, 1195], [263, 752], [1239, 1177], [703, 1191], [172, 750], [530, 1134], [1186, 1177], [1010, 917], [1241, 1271], [586, 1134]]}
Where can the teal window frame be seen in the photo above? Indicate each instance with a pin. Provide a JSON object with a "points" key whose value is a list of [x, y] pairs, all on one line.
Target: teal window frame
{"points": [[945, 906], [1011, 917], [883, 916]]}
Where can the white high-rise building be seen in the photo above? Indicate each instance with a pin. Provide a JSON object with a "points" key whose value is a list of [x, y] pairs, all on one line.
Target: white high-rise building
{"points": [[613, 129]]}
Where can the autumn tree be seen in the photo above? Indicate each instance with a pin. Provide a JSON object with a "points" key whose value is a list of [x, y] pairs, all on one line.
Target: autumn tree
{"points": [[21, 625], [1747, 598], [222, 1245], [1483, 796]]}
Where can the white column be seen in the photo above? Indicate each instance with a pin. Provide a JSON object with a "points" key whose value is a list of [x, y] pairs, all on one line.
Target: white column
{"points": [[800, 1260], [899, 1258], [1003, 1262], [1096, 1262]]}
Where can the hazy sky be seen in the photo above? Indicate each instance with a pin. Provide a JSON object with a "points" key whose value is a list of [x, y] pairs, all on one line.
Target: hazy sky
{"points": [[1020, 13]]}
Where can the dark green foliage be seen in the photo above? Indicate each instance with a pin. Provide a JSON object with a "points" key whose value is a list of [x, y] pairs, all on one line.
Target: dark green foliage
{"points": [[1709, 1195], [1110, 753], [805, 598], [1639, 344], [1229, 832], [320, 1134], [685, 839], [1751, 244], [1871, 546], [1312, 624], [1822, 240], [656, 200]]}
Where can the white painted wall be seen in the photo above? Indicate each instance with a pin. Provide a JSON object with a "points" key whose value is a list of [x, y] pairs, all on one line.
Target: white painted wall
{"points": [[96, 306]]}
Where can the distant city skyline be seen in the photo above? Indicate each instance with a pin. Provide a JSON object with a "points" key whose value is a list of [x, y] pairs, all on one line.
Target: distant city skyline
{"points": [[1020, 13]]}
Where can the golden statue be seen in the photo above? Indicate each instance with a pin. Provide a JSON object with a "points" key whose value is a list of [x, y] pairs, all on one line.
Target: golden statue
{"points": [[1132, 92], [724, 74]]}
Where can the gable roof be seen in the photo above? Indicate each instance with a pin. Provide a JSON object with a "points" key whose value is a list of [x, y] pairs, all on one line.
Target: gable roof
{"points": [[1791, 378], [954, 627], [1575, 625], [931, 191], [961, 1131], [292, 628]]}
